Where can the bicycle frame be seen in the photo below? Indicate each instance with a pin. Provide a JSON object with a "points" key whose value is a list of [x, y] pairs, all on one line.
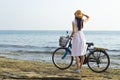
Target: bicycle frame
{"points": [[70, 46], [67, 48], [88, 49]]}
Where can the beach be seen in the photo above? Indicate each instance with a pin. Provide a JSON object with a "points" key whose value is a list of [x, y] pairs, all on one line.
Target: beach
{"points": [[13, 69]]}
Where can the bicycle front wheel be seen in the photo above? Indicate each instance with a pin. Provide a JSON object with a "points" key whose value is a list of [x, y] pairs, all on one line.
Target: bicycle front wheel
{"points": [[60, 60], [98, 61]]}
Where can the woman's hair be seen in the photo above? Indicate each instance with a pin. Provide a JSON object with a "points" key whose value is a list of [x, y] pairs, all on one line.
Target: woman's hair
{"points": [[79, 23]]}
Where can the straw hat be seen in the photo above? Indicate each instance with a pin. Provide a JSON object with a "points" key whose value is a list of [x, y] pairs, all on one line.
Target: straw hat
{"points": [[78, 14]]}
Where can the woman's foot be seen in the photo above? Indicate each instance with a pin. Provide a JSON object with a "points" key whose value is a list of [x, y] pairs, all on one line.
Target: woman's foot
{"points": [[76, 71]]}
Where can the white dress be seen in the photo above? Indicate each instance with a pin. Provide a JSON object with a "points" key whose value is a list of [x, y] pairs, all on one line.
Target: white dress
{"points": [[78, 42]]}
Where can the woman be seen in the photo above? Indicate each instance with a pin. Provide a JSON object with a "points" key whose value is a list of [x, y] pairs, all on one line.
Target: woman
{"points": [[79, 41]]}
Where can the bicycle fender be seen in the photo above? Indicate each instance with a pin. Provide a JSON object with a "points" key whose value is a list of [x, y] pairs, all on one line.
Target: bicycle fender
{"points": [[97, 48]]}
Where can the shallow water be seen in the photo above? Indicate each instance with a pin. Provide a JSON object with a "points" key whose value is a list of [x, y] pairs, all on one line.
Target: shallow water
{"points": [[36, 45]]}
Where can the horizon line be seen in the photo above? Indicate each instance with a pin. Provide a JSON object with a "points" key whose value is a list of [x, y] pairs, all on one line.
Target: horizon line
{"points": [[51, 30]]}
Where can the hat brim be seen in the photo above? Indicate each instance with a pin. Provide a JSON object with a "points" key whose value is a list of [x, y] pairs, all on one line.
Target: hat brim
{"points": [[78, 14]]}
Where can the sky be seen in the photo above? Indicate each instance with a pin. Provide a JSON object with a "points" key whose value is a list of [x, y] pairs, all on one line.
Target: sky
{"points": [[58, 14]]}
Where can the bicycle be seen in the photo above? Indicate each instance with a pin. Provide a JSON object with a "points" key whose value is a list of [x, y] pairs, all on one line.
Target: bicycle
{"points": [[97, 59]]}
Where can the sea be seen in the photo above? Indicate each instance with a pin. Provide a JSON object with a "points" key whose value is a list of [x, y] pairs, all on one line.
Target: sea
{"points": [[38, 45]]}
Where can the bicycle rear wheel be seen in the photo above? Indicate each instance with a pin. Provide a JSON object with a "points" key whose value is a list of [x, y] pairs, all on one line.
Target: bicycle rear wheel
{"points": [[98, 61], [59, 61]]}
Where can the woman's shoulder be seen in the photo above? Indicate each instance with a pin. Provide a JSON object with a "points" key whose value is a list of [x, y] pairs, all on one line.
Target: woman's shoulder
{"points": [[74, 21]]}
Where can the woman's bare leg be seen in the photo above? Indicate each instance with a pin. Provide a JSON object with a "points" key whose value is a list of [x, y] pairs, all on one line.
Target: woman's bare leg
{"points": [[82, 58], [77, 62]]}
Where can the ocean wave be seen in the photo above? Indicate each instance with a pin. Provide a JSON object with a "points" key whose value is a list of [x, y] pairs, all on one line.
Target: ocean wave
{"points": [[50, 47], [26, 51], [17, 46], [113, 50], [24, 46], [37, 49]]}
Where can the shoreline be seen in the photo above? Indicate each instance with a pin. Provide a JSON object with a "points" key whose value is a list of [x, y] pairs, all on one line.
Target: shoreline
{"points": [[12, 68], [46, 57]]}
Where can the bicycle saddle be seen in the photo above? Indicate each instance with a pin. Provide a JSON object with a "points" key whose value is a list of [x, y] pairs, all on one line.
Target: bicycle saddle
{"points": [[90, 44]]}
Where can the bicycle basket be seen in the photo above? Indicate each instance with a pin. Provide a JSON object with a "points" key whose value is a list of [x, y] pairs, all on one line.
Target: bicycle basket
{"points": [[63, 41]]}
